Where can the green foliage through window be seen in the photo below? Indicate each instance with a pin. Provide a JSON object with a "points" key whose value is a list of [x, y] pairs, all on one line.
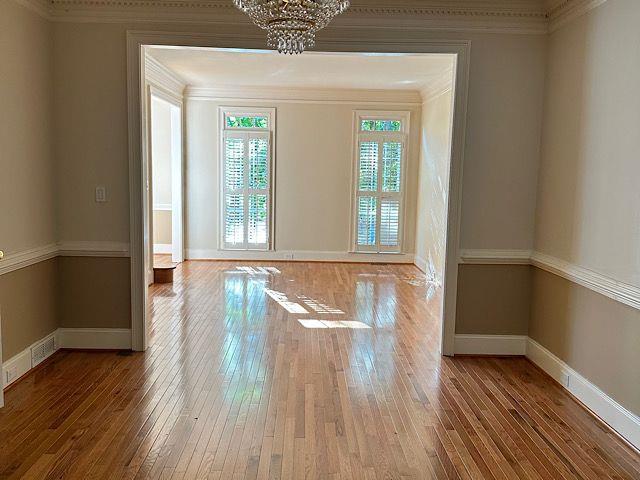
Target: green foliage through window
{"points": [[239, 121], [380, 126]]}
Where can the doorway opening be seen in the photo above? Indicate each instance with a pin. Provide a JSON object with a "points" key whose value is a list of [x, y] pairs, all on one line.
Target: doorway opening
{"points": [[276, 172]]}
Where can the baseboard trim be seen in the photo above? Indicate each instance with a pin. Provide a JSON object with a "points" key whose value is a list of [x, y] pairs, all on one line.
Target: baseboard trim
{"points": [[72, 338], [300, 256], [22, 363], [624, 422], [95, 338], [162, 248], [490, 344]]}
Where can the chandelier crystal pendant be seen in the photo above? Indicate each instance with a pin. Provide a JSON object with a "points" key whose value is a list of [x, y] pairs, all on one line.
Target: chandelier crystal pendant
{"points": [[291, 25]]}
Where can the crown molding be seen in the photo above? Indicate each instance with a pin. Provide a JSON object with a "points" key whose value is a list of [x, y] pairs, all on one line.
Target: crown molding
{"points": [[561, 12], [489, 16], [158, 75], [304, 95]]}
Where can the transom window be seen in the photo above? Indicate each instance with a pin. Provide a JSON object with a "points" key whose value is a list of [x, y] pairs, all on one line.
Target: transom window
{"points": [[246, 159], [379, 183]]}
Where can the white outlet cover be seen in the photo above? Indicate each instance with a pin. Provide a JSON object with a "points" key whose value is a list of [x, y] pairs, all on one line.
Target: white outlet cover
{"points": [[101, 194]]}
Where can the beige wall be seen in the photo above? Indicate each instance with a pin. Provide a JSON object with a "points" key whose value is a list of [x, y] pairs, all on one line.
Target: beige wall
{"points": [[314, 157], [433, 185], [493, 299], [588, 194], [27, 196], [28, 216], [507, 74], [28, 304], [597, 336]]}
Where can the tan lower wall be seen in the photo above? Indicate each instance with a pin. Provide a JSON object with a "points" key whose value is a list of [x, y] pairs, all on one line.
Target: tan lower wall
{"points": [[94, 292], [493, 299], [28, 305], [595, 335]]}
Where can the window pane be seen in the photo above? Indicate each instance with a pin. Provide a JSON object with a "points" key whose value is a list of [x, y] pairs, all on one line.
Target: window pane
{"points": [[257, 219], [391, 156], [258, 163], [368, 167], [380, 125], [234, 164], [367, 220], [250, 121], [389, 222], [234, 219]]}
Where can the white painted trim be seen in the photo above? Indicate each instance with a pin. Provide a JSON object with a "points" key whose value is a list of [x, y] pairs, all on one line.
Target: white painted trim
{"points": [[299, 256], [95, 338], [607, 286], [567, 10], [167, 84], [495, 257], [163, 207], [303, 95], [163, 248], [93, 249], [15, 261], [490, 344], [626, 423], [20, 364], [420, 262]]}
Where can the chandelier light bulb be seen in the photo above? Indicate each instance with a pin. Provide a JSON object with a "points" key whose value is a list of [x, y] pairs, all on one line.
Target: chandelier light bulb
{"points": [[291, 25]]}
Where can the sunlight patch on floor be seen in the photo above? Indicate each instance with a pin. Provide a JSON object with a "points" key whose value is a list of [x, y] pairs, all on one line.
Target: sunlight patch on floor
{"points": [[282, 300], [259, 270], [333, 324], [319, 307]]}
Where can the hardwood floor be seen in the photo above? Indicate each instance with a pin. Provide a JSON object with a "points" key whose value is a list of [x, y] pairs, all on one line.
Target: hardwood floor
{"points": [[235, 386]]}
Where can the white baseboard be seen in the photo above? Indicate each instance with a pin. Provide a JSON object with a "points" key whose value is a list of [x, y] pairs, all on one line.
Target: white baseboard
{"points": [[73, 338], [626, 423], [162, 248], [299, 256], [95, 338], [421, 263], [20, 364], [490, 344]]}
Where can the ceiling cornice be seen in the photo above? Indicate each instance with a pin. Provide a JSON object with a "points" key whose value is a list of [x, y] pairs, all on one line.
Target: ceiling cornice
{"points": [[499, 16]]}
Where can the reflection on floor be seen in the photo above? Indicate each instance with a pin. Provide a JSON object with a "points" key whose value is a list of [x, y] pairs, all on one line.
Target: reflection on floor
{"points": [[237, 383]]}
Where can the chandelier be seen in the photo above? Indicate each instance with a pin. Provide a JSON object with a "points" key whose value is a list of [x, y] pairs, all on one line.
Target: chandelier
{"points": [[291, 25]]}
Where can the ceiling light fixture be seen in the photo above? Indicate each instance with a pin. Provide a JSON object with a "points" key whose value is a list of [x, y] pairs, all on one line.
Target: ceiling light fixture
{"points": [[291, 25]]}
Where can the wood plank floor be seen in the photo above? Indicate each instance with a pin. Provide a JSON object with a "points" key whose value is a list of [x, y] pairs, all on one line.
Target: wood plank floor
{"points": [[234, 386]]}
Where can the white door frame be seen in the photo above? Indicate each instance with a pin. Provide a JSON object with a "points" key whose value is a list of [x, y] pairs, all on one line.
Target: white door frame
{"points": [[137, 149]]}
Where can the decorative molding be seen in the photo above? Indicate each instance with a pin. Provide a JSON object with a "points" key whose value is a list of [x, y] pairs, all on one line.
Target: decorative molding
{"points": [[564, 11], [159, 76], [607, 286], [495, 257], [624, 422], [490, 344], [93, 249], [26, 258], [299, 256], [304, 95], [95, 338], [162, 248], [163, 207]]}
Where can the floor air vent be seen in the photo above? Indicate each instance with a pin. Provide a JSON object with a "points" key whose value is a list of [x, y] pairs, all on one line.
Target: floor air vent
{"points": [[43, 350]]}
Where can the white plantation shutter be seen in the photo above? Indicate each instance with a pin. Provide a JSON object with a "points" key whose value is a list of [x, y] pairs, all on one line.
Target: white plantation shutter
{"points": [[246, 189], [379, 196]]}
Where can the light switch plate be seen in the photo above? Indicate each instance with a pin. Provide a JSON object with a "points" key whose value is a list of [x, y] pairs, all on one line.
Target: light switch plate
{"points": [[101, 194]]}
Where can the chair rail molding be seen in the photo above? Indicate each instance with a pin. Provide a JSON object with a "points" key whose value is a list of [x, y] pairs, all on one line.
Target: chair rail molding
{"points": [[15, 261]]}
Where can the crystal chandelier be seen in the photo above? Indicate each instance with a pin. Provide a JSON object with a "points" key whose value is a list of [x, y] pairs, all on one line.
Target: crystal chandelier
{"points": [[291, 25]]}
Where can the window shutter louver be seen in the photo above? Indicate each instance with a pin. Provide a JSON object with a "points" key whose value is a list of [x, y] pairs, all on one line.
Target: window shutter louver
{"points": [[379, 195], [246, 185]]}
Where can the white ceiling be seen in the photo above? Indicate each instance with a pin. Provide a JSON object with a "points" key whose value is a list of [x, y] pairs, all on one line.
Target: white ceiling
{"points": [[205, 67]]}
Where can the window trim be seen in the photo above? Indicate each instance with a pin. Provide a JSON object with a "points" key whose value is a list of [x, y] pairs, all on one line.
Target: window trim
{"points": [[270, 113], [403, 137]]}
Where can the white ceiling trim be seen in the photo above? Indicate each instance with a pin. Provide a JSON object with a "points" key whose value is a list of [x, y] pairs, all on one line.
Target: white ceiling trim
{"points": [[305, 95], [524, 16]]}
